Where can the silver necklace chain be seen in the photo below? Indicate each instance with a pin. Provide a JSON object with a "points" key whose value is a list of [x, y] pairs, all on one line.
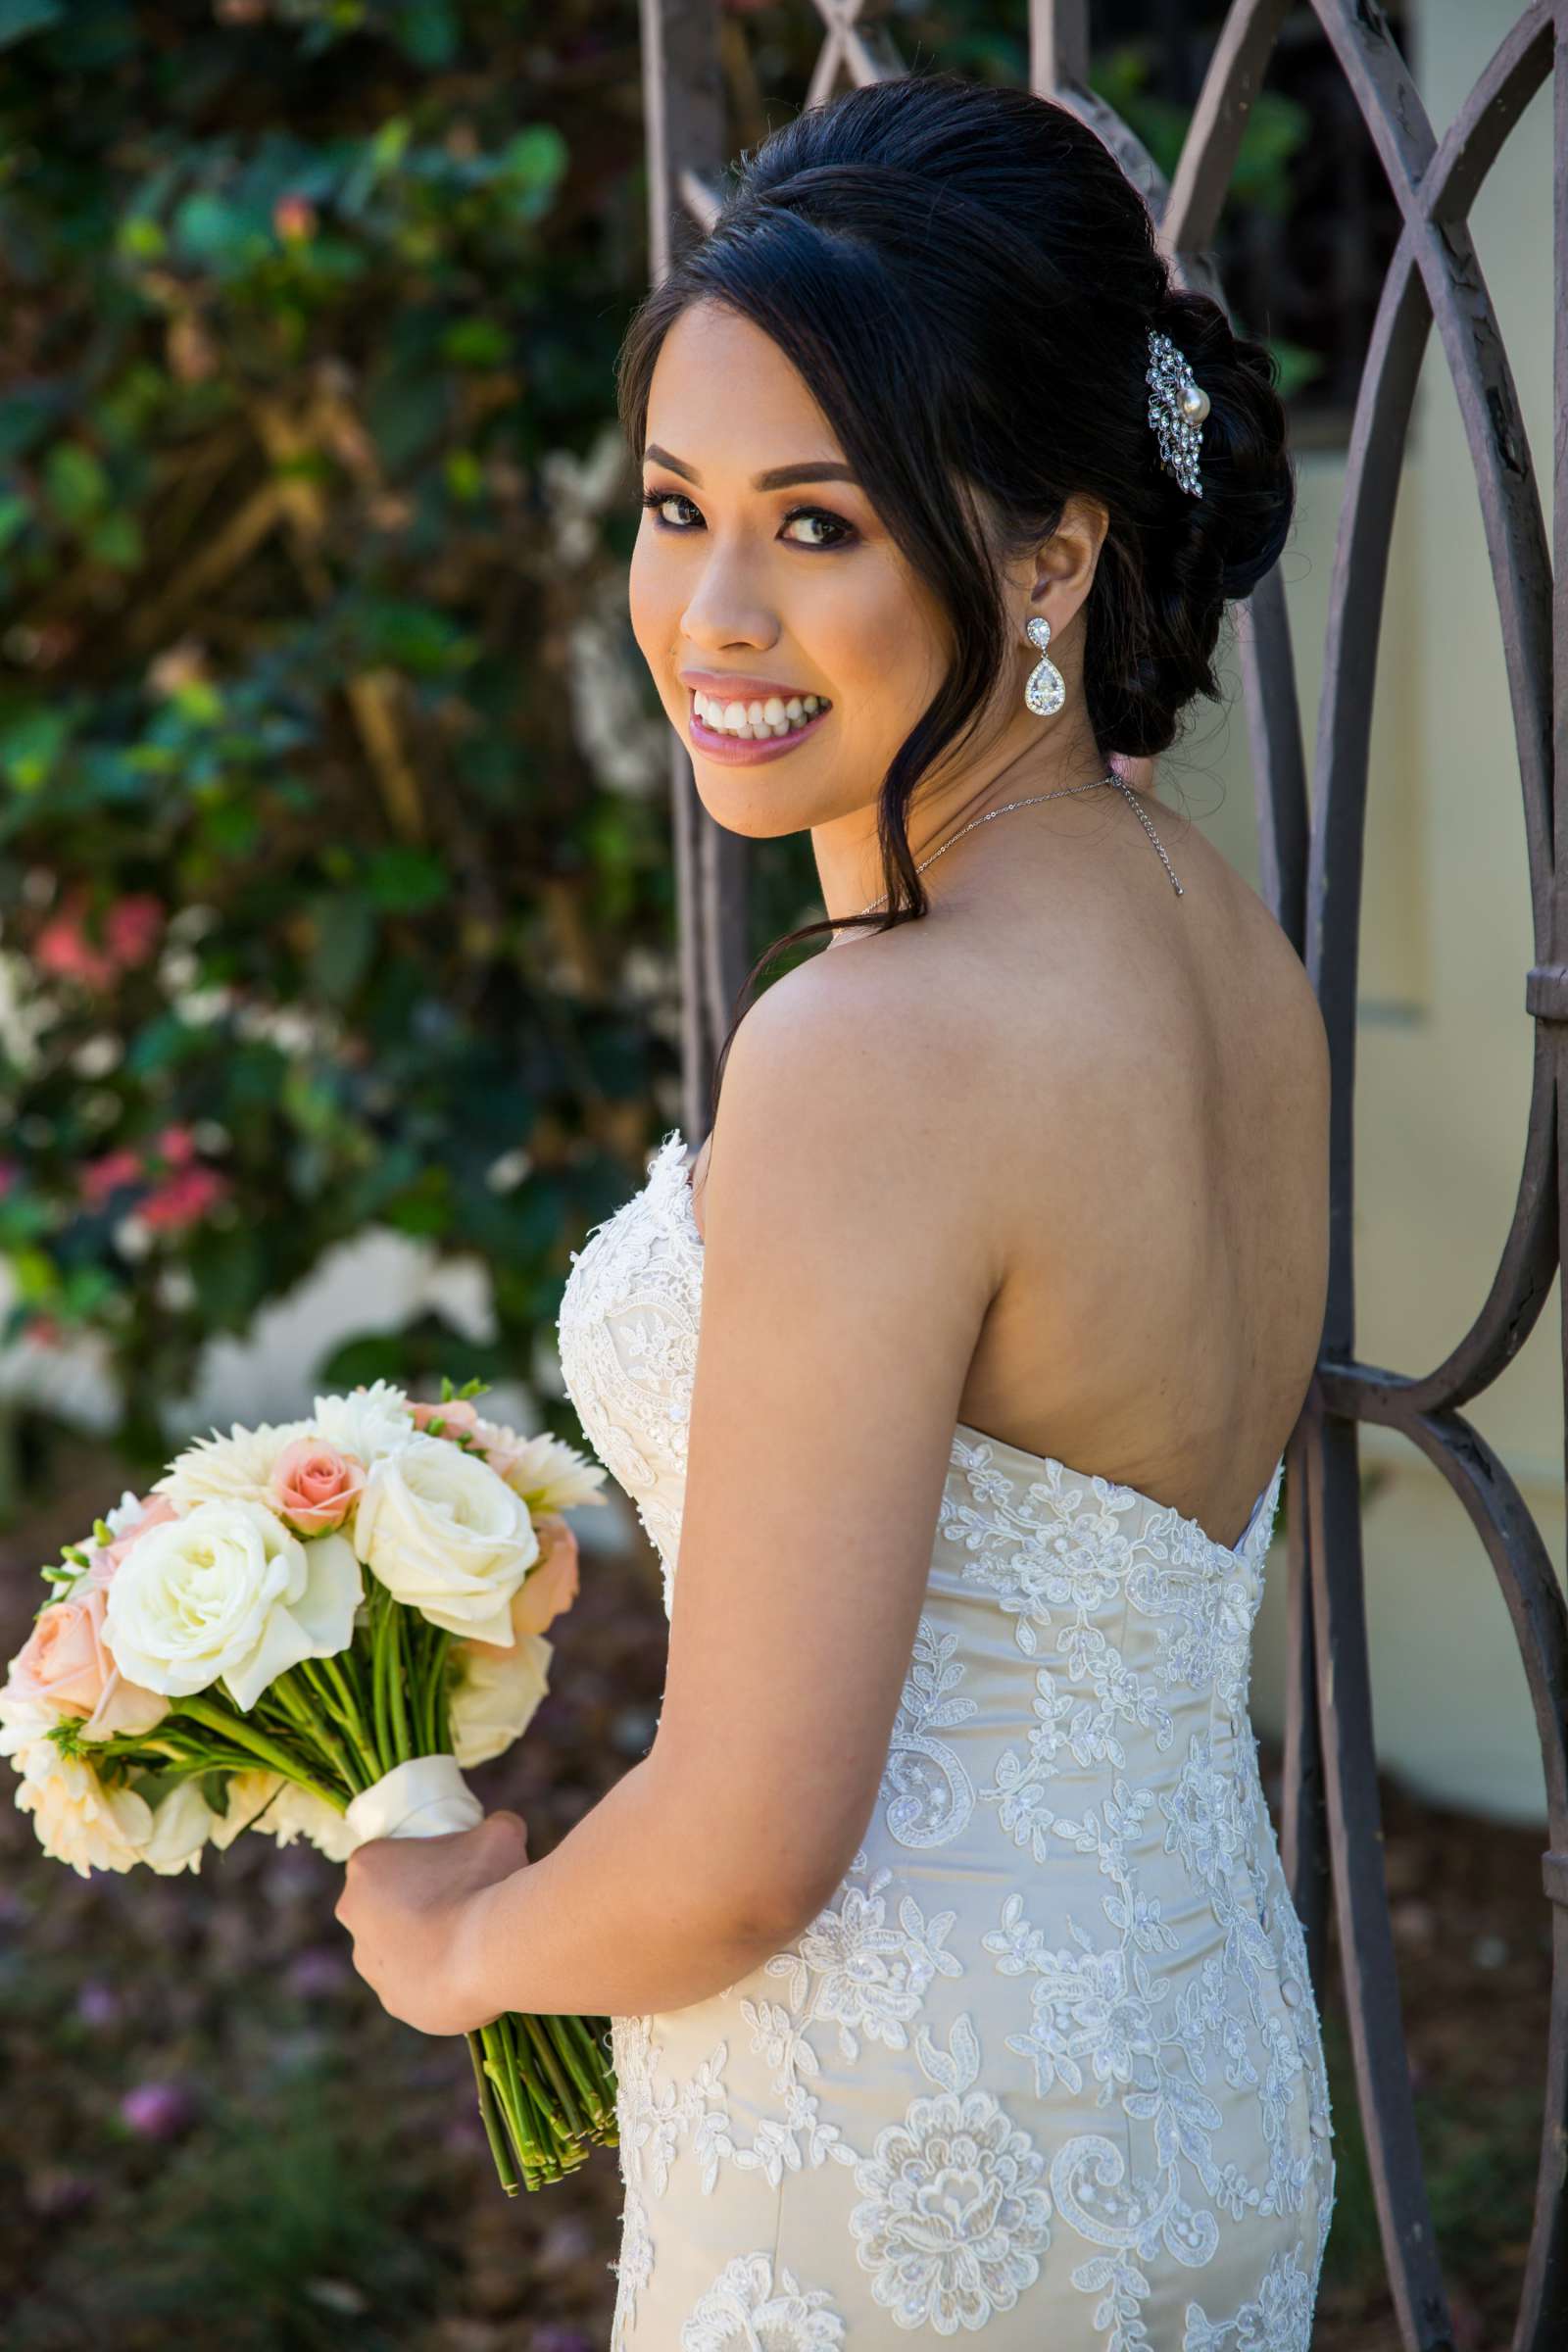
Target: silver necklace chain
{"points": [[1060, 793]]}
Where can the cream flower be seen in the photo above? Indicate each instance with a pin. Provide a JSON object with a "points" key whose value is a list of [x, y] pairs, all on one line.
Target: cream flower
{"points": [[549, 1474], [296, 1813], [248, 1793], [368, 1423], [80, 1819], [238, 1468], [267, 1801], [227, 1593], [493, 1703], [446, 1536], [25, 1719], [182, 1823]]}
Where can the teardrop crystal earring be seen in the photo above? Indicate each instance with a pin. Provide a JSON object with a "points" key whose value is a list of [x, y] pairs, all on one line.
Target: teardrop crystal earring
{"points": [[1047, 689]]}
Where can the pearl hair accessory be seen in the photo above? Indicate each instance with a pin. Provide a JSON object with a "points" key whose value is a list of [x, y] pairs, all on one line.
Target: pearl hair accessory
{"points": [[1177, 406]]}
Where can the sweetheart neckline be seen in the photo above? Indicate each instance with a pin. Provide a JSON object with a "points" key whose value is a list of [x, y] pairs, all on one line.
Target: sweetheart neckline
{"points": [[1237, 1552]]}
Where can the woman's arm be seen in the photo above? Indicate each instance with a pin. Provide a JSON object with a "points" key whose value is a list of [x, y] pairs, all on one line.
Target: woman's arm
{"points": [[847, 1269]]}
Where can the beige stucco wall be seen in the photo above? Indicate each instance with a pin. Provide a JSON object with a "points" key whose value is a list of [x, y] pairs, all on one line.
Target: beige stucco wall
{"points": [[1443, 1044]]}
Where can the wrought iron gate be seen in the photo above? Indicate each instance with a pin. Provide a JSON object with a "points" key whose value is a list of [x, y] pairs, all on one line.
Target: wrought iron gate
{"points": [[1310, 855]]}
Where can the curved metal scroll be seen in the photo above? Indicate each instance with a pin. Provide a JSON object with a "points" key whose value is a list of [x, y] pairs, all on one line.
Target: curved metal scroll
{"points": [[1310, 857]]}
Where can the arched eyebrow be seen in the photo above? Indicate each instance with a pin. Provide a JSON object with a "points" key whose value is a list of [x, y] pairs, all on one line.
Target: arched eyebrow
{"points": [[776, 477]]}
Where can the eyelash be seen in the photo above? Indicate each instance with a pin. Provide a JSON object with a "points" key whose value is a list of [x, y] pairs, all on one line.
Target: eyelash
{"points": [[663, 497]]}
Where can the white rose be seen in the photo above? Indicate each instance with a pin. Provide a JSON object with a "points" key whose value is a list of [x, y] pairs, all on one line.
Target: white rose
{"points": [[493, 1703], [447, 1536], [229, 1591]]}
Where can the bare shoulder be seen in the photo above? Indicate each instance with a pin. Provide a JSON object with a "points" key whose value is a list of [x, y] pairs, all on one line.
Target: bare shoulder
{"points": [[855, 1067]]}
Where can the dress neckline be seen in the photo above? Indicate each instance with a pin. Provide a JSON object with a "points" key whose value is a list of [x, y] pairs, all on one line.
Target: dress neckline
{"points": [[1238, 1553]]}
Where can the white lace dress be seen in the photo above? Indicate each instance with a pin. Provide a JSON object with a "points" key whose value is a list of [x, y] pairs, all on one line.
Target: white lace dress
{"points": [[1048, 2066]]}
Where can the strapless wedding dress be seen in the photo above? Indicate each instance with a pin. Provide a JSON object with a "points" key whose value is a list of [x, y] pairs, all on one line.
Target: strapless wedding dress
{"points": [[1047, 2065]]}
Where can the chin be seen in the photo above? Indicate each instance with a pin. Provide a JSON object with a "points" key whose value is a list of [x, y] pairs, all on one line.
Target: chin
{"points": [[755, 815]]}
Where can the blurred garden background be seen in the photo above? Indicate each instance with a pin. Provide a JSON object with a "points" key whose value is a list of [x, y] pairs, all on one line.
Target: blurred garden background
{"points": [[337, 1002]]}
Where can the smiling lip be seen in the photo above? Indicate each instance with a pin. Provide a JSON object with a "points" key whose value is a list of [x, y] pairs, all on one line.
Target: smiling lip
{"points": [[735, 751], [735, 689]]}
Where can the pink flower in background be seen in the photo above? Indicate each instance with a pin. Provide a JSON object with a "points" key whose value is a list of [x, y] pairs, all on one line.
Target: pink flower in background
{"points": [[551, 1585], [185, 1199], [176, 1145], [315, 1485], [9, 1174], [457, 1415], [101, 1177], [64, 950], [133, 928]]}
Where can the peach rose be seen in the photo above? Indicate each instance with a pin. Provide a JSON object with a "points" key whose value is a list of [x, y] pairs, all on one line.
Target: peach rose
{"points": [[67, 1666], [316, 1484], [456, 1416], [551, 1585]]}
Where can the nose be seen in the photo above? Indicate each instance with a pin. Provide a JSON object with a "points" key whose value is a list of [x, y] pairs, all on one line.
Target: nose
{"points": [[723, 613]]}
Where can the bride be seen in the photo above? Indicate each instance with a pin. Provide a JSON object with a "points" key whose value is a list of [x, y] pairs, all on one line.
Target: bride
{"points": [[955, 1981]]}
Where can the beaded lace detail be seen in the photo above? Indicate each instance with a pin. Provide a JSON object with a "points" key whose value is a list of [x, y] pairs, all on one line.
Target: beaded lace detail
{"points": [[1049, 2058]]}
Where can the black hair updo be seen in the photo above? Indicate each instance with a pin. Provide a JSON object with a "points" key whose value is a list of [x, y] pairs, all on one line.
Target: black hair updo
{"points": [[964, 277]]}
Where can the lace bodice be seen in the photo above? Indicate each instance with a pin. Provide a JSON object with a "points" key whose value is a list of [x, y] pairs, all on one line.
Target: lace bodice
{"points": [[1047, 2063], [627, 1333]]}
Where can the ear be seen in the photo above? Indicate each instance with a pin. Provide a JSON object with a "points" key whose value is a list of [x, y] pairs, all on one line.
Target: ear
{"points": [[1064, 564]]}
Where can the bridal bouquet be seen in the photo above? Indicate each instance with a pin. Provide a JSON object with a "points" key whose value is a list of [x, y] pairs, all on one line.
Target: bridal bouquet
{"points": [[215, 1658]]}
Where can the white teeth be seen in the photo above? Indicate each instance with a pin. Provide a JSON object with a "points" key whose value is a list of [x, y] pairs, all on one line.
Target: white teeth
{"points": [[747, 721]]}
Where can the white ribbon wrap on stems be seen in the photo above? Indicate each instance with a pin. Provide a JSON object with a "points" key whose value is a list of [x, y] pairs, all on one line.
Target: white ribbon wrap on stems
{"points": [[426, 1797]]}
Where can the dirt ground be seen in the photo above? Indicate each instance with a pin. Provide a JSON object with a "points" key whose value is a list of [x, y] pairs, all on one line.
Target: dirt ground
{"points": [[211, 2136]]}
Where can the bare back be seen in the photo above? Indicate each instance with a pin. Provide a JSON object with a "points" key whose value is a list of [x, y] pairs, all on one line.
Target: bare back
{"points": [[1147, 1137]]}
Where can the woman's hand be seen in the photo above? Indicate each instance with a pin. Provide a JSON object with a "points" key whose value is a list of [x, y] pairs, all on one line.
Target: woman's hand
{"points": [[405, 1903]]}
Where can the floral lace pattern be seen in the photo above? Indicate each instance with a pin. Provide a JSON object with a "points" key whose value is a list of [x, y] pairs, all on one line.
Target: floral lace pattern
{"points": [[1052, 2048]]}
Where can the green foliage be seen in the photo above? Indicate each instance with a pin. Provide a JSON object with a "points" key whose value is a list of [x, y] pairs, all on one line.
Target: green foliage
{"points": [[313, 910]]}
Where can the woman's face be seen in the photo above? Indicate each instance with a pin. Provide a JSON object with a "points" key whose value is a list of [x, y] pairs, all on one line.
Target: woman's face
{"points": [[758, 592]]}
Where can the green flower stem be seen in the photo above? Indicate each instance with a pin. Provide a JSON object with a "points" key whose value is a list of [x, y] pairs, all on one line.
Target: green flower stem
{"points": [[326, 1682], [442, 1696], [495, 2039], [378, 1691], [539, 2041], [501, 2155], [258, 1744], [351, 1709], [400, 1713], [570, 2057], [434, 1691], [304, 1718]]}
